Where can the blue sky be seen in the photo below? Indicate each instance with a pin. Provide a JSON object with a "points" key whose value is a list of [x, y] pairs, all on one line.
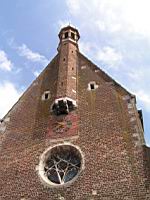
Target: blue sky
{"points": [[115, 34]]}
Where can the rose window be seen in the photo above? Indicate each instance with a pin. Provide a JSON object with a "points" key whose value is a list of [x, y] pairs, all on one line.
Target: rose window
{"points": [[62, 164]]}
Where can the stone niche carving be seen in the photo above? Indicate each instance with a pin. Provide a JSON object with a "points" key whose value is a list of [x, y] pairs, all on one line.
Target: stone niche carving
{"points": [[63, 106]]}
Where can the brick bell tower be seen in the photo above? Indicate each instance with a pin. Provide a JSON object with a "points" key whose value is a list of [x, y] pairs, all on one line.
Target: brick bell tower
{"points": [[74, 134]]}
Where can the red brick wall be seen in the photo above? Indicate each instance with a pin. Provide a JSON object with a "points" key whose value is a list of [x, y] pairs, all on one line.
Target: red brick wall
{"points": [[67, 70], [105, 130]]}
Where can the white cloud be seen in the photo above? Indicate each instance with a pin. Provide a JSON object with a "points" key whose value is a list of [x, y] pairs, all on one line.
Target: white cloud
{"points": [[135, 76], [109, 56], [130, 16], [148, 144], [139, 74], [36, 73], [24, 51], [86, 47], [5, 63], [74, 6], [144, 97], [62, 23], [8, 96], [17, 71], [106, 55]]}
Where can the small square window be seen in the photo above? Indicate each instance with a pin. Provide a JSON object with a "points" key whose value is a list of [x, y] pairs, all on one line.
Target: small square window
{"points": [[92, 86], [46, 96]]}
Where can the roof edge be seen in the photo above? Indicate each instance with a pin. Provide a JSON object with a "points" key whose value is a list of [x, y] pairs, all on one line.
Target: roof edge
{"points": [[109, 78]]}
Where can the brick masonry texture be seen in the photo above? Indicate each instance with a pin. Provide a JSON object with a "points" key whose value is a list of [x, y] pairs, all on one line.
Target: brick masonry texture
{"points": [[105, 126]]}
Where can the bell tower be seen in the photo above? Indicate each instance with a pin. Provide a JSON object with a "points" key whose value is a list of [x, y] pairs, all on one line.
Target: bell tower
{"points": [[68, 64]]}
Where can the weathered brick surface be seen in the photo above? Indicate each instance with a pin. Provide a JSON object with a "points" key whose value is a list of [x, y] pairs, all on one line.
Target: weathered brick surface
{"points": [[105, 126], [67, 70]]}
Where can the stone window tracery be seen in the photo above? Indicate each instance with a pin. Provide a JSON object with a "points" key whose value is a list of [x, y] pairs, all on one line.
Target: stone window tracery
{"points": [[62, 164]]}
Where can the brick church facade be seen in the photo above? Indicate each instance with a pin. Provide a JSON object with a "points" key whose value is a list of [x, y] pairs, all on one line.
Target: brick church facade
{"points": [[74, 134]]}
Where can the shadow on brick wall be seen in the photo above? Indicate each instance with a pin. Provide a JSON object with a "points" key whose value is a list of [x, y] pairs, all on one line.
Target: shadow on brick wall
{"points": [[146, 157]]}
